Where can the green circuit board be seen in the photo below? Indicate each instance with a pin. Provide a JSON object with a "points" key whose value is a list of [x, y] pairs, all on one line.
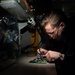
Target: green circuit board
{"points": [[38, 61]]}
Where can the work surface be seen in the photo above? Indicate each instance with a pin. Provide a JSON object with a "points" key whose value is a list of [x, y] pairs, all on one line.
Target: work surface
{"points": [[23, 67], [37, 69]]}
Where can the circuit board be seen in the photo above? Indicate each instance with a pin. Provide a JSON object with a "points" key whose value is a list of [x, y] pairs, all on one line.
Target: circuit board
{"points": [[38, 61]]}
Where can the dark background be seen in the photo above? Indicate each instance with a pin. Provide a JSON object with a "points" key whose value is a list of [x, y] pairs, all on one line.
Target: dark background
{"points": [[43, 6]]}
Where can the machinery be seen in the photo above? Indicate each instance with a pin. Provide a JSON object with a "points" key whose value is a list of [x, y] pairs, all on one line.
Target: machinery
{"points": [[18, 8], [21, 10]]}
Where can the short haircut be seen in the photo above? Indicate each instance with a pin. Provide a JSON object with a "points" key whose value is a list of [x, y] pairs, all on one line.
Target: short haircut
{"points": [[56, 16]]}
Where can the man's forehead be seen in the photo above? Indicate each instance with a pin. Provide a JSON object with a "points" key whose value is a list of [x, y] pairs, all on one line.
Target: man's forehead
{"points": [[49, 27]]}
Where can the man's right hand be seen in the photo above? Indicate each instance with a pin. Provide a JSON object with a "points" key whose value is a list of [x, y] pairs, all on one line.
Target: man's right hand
{"points": [[43, 51]]}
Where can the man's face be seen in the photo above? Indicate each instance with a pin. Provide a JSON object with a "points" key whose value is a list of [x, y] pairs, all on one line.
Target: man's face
{"points": [[53, 32]]}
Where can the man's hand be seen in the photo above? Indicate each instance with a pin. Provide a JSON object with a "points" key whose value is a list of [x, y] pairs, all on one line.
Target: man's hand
{"points": [[50, 55], [44, 51]]}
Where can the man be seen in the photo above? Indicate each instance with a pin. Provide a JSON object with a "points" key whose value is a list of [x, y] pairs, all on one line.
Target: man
{"points": [[56, 26]]}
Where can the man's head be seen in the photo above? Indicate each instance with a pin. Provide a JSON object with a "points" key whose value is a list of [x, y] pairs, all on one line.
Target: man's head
{"points": [[54, 23]]}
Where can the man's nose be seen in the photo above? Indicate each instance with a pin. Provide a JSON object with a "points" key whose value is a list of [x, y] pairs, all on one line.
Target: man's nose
{"points": [[51, 36]]}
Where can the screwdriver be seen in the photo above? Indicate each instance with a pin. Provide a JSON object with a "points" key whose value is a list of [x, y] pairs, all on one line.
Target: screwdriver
{"points": [[41, 56]]}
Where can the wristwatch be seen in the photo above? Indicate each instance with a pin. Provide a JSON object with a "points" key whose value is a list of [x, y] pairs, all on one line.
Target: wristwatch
{"points": [[60, 56]]}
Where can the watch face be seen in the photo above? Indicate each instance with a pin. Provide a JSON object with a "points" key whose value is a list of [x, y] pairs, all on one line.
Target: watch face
{"points": [[60, 56]]}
